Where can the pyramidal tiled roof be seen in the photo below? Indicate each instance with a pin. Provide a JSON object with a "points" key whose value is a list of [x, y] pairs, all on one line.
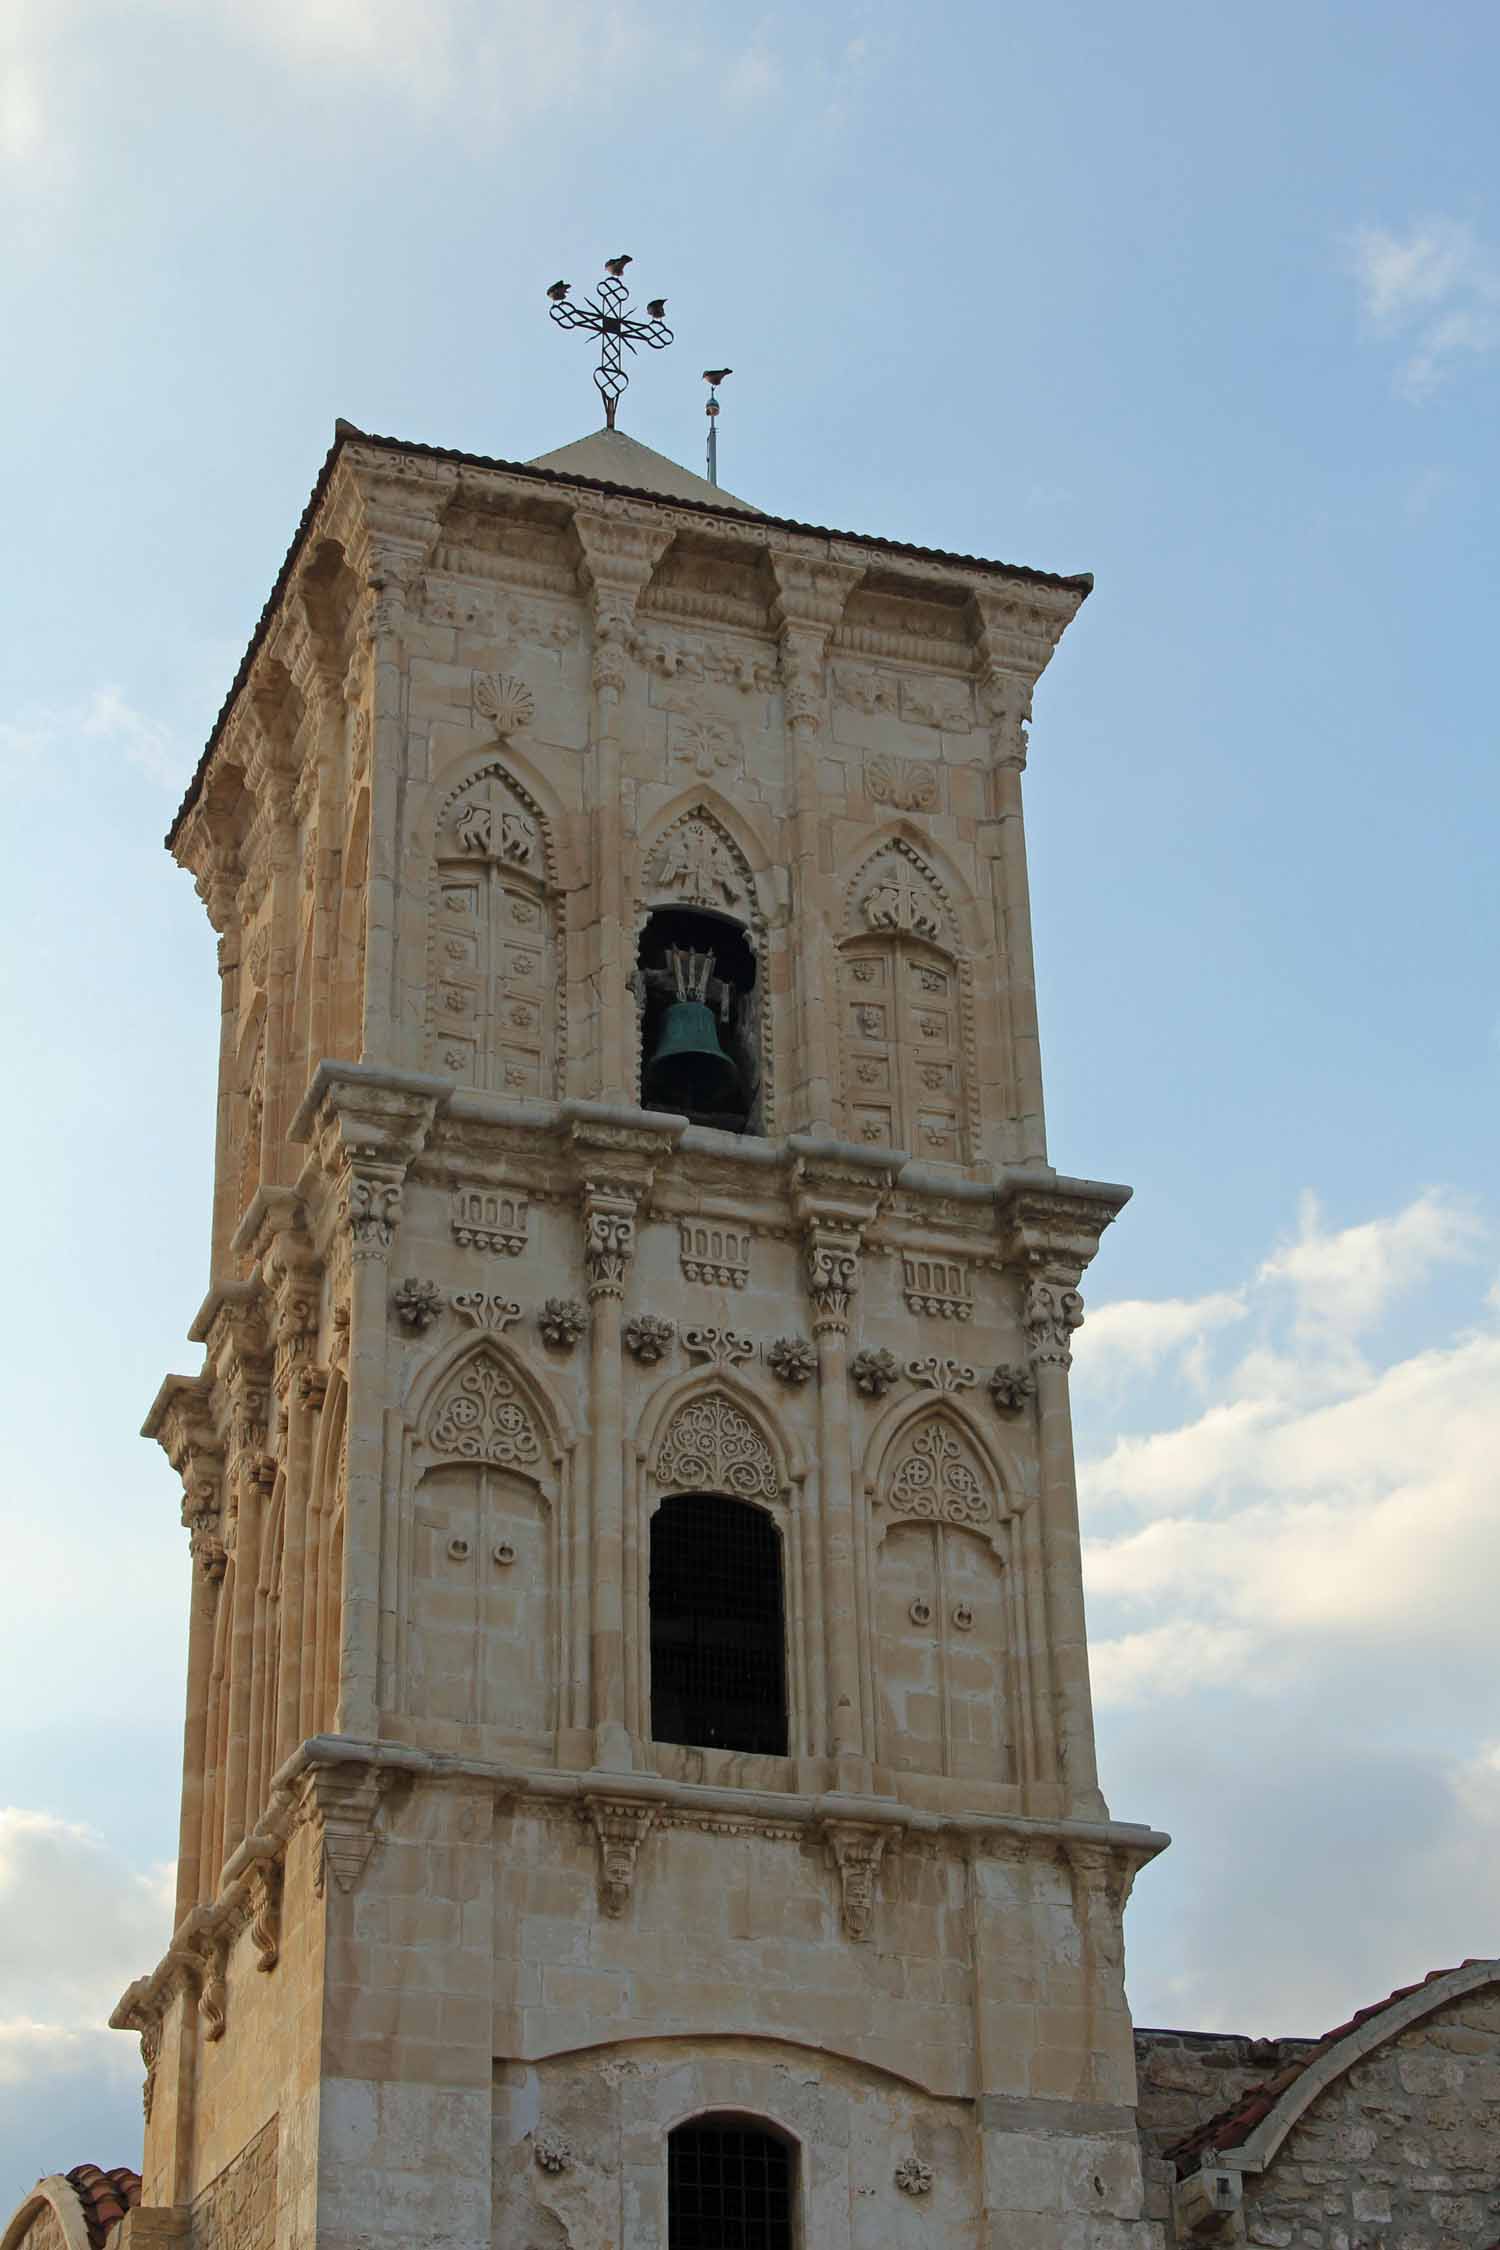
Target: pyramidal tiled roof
{"points": [[610, 457]]}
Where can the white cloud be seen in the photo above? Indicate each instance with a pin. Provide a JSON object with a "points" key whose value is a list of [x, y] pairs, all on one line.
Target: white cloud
{"points": [[107, 724], [1138, 1334], [1437, 286], [76, 1925], [1314, 1496]]}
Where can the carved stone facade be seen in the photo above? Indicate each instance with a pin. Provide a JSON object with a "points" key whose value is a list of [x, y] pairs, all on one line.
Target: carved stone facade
{"points": [[488, 1345]]}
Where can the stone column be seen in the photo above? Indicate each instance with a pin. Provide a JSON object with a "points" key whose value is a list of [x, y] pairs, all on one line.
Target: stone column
{"points": [[244, 1372], [180, 1421], [367, 1137], [1053, 1310], [618, 559], [609, 1209]]}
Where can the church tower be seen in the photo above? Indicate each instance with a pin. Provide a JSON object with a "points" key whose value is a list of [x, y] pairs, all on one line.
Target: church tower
{"points": [[639, 1782]]}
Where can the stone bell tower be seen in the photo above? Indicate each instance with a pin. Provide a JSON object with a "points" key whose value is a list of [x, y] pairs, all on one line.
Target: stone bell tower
{"points": [[639, 1778]]}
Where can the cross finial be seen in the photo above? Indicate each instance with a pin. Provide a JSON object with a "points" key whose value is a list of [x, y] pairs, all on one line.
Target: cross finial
{"points": [[605, 314]]}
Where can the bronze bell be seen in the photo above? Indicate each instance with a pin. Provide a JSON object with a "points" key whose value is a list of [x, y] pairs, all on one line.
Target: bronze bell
{"points": [[688, 1070]]}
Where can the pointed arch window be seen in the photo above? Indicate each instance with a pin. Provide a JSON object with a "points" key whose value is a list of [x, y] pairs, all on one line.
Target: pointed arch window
{"points": [[901, 1005], [494, 1002]]}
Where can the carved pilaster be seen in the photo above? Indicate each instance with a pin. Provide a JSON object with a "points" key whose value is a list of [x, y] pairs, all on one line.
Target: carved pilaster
{"points": [[609, 1209], [618, 557], [620, 1827], [811, 597], [831, 1255]]}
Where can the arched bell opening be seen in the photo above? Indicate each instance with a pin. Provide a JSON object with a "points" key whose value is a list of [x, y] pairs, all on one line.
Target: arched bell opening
{"points": [[729, 2180], [718, 1626], [696, 985]]}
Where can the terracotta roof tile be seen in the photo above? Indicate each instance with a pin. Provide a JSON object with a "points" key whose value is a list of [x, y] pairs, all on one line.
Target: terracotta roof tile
{"points": [[345, 433], [104, 2197], [1234, 2125]]}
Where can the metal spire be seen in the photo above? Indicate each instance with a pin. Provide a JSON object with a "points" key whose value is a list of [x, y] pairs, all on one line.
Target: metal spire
{"points": [[605, 315], [714, 376]]}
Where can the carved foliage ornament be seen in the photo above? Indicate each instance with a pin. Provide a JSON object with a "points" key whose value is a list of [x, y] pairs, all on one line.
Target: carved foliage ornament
{"points": [[711, 1446], [694, 862], [913, 2177], [417, 1303], [479, 1417], [562, 1321], [1052, 1311], [1011, 1387], [792, 1359], [935, 1482], [832, 1277], [725, 1347], [906, 783], [934, 1374]]}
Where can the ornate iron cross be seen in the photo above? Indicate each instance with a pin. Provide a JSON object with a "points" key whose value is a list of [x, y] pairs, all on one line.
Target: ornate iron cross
{"points": [[606, 316]]}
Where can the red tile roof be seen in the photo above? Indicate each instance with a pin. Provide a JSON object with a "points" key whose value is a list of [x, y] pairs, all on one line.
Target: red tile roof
{"points": [[1234, 2125], [104, 2197]]}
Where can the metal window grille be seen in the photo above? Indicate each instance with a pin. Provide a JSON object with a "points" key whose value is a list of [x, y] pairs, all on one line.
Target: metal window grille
{"points": [[718, 1664], [729, 2187]]}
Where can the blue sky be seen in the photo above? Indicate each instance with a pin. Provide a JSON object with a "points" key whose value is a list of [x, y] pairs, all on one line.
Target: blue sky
{"points": [[1204, 300]]}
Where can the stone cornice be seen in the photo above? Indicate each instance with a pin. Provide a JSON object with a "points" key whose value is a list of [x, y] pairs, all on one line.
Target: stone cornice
{"points": [[333, 1776], [1052, 1222]]}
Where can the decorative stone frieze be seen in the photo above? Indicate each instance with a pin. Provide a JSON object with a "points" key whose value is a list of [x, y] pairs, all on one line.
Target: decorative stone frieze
{"points": [[941, 1288], [714, 1251], [490, 1219]]}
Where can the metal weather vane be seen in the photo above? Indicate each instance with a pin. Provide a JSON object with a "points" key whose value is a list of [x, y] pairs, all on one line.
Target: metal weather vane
{"points": [[607, 316]]}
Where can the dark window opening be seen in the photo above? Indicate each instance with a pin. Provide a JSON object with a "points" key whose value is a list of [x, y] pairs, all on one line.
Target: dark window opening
{"points": [[718, 1669], [695, 985], [729, 2187]]}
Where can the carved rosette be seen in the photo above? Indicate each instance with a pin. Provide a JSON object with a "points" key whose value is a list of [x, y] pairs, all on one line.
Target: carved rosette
{"points": [[856, 1849], [913, 2177], [647, 1338], [620, 1827], [561, 1321], [874, 1372], [832, 1270], [608, 1236], [417, 1303], [1011, 1387], [792, 1360], [1053, 1309]]}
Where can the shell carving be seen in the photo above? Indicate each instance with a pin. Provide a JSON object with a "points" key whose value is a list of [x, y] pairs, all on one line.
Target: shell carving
{"points": [[506, 702]]}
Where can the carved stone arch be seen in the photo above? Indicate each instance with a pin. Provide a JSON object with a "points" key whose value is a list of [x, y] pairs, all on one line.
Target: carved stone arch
{"points": [[945, 1603], [698, 854], [496, 981], [890, 1441], [485, 1544], [679, 1397]]}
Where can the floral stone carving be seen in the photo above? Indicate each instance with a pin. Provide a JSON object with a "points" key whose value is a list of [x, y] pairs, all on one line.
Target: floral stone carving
{"points": [[935, 1481], [552, 2152], [793, 1359], [913, 2177], [725, 1347], [647, 1338], [710, 1446], [874, 1372], [562, 1320], [1011, 1387], [934, 1374], [480, 1418], [417, 1303]]}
